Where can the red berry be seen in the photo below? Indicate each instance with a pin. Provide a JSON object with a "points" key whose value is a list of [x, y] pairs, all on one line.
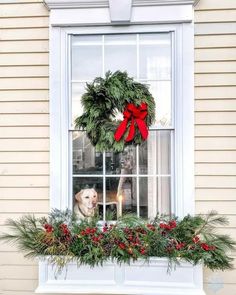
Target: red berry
{"points": [[205, 246], [122, 246], [151, 227], [48, 228], [143, 251], [172, 224], [196, 239], [180, 246]]}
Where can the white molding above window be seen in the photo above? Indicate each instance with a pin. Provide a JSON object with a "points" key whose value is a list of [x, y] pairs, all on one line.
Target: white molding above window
{"points": [[60, 4], [97, 12]]}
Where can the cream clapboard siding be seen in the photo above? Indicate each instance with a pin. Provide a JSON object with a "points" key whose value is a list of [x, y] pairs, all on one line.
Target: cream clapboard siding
{"points": [[24, 126], [24, 130], [215, 119]]}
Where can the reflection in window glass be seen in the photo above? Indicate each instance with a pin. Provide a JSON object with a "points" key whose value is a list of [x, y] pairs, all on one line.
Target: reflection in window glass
{"points": [[120, 53], [155, 154], [154, 196], [121, 163], [121, 192], [161, 91], [154, 58], [85, 159], [86, 57], [78, 89]]}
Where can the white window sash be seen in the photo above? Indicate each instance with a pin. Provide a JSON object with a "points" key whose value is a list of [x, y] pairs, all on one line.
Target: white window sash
{"points": [[182, 74]]}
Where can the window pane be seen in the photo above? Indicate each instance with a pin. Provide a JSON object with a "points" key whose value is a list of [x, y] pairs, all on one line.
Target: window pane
{"points": [[120, 53], [85, 159], [154, 196], [155, 56], [146, 57], [161, 91], [121, 194], [86, 57], [78, 90], [87, 195], [155, 153], [121, 163]]}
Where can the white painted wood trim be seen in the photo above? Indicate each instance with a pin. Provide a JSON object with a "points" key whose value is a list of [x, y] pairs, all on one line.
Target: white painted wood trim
{"points": [[120, 11], [64, 4], [139, 15], [183, 197], [137, 278]]}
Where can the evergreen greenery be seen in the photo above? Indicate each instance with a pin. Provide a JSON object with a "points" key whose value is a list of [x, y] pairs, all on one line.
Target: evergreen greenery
{"points": [[101, 102], [63, 238]]}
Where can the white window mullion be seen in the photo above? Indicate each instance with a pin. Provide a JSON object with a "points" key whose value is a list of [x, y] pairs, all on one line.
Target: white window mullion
{"points": [[104, 185], [137, 182], [103, 56]]}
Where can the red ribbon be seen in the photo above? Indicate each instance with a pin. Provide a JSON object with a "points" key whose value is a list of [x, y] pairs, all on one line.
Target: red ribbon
{"points": [[136, 115]]}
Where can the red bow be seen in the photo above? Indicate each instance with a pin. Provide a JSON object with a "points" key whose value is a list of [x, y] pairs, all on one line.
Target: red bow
{"points": [[137, 116]]}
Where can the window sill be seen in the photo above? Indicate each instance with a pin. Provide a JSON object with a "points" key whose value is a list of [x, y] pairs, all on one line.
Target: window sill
{"points": [[136, 278]]}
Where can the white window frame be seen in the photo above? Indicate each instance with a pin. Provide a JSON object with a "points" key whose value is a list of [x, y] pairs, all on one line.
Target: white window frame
{"points": [[61, 178]]}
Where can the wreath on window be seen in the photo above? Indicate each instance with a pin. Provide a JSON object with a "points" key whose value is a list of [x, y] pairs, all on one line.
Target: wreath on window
{"points": [[104, 99]]}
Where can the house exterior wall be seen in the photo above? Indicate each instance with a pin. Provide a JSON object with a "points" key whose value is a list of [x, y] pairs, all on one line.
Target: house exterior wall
{"points": [[215, 121], [24, 126], [24, 130]]}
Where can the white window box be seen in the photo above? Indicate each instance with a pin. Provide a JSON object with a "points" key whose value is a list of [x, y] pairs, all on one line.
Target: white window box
{"points": [[137, 278]]}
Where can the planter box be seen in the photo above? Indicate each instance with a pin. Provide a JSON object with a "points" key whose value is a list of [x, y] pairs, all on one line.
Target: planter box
{"points": [[136, 278]]}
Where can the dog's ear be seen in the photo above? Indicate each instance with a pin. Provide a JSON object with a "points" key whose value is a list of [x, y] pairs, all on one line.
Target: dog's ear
{"points": [[94, 191], [78, 195]]}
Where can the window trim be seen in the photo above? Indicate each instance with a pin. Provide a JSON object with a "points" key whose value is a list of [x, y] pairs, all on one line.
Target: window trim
{"points": [[60, 186]]}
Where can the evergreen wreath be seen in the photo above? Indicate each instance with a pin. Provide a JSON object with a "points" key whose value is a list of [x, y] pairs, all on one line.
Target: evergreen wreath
{"points": [[103, 99]]}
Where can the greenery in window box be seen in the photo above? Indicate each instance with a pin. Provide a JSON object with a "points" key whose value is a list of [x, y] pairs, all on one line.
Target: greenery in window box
{"points": [[62, 238]]}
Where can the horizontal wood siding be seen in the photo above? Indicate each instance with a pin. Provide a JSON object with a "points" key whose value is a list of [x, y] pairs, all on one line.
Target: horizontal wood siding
{"points": [[215, 122], [24, 131], [24, 126]]}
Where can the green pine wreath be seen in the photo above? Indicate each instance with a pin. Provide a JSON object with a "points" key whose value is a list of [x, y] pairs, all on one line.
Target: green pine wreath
{"points": [[103, 99]]}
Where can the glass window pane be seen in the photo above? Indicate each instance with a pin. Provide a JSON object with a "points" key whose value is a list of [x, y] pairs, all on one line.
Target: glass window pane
{"points": [[120, 53], [87, 195], [164, 195], [154, 196], [77, 91], [86, 57], [151, 66], [161, 91], [155, 153], [121, 194], [121, 163], [155, 56], [85, 159]]}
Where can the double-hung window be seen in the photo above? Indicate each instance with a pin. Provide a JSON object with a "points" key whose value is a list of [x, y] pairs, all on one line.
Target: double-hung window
{"points": [[140, 179], [153, 42], [155, 177]]}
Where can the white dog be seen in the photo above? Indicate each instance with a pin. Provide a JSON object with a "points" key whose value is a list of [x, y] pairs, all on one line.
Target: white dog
{"points": [[86, 202]]}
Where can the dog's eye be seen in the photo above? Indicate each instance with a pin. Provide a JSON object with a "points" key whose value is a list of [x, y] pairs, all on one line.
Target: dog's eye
{"points": [[87, 197], [94, 196]]}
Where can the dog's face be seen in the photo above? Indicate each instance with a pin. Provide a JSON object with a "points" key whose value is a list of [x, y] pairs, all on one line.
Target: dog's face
{"points": [[87, 201]]}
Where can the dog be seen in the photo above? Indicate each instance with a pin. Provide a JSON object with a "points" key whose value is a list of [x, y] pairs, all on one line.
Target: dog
{"points": [[86, 203]]}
